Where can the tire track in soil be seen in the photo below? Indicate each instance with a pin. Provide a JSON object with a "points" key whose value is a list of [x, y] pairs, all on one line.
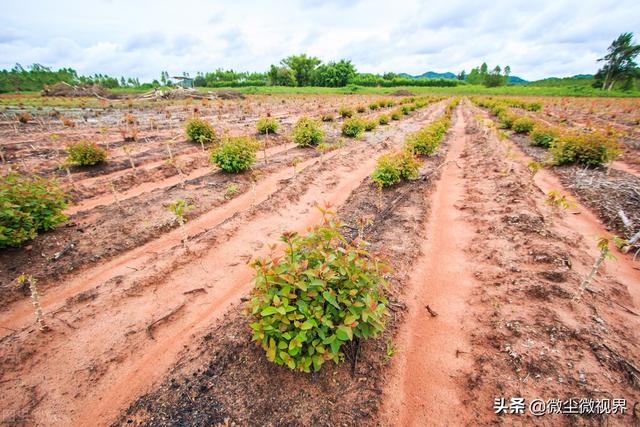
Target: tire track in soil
{"points": [[420, 387], [106, 359]]}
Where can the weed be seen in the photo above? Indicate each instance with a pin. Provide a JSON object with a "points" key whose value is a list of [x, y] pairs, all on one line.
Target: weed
{"points": [[328, 117], [390, 350], [370, 125]]}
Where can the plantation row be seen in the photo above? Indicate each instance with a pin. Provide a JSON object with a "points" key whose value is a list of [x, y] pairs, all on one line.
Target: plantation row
{"points": [[566, 146], [403, 164], [326, 290], [33, 204]]}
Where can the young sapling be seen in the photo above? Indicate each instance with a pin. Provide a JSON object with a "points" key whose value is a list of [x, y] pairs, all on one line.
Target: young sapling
{"points": [[35, 299], [179, 208]]}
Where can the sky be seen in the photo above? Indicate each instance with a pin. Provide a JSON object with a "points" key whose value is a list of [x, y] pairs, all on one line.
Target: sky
{"points": [[140, 38]]}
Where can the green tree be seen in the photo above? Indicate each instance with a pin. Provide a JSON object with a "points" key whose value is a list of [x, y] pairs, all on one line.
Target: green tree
{"points": [[619, 62], [281, 76], [302, 66], [334, 74]]}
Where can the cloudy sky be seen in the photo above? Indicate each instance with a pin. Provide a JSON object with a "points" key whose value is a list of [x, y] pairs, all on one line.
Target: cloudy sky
{"points": [[140, 38]]}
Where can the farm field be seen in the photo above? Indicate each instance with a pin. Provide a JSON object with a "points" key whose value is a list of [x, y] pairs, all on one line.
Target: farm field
{"points": [[488, 240]]}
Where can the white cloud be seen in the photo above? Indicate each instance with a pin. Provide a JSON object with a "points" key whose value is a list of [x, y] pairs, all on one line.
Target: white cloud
{"points": [[141, 38]]}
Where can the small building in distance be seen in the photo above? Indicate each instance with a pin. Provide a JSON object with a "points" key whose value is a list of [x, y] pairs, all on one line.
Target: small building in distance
{"points": [[182, 81]]}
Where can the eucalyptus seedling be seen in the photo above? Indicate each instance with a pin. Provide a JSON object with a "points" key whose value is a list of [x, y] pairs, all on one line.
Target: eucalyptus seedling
{"points": [[253, 177], [294, 163], [129, 152], [558, 201], [179, 208], [605, 253], [35, 299]]}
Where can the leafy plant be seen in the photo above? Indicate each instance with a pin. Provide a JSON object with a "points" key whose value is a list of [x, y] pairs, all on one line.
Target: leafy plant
{"points": [[328, 117], [267, 125], [558, 201], [391, 168], [307, 132], [427, 140], [235, 154], [370, 125], [383, 119], [396, 114], [321, 293], [200, 130], [231, 191], [523, 125], [28, 205], [353, 127], [179, 208], [345, 112], [591, 149], [507, 119], [85, 153], [374, 106], [543, 136]]}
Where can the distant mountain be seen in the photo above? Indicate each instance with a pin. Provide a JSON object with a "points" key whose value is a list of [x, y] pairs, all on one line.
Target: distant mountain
{"points": [[430, 75], [450, 75]]}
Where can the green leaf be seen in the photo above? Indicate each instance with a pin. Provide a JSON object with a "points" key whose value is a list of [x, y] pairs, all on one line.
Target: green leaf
{"points": [[344, 333], [268, 311]]}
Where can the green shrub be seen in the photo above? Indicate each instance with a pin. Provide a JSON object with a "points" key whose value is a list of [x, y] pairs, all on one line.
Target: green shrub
{"points": [[383, 119], [345, 112], [591, 149], [543, 136], [396, 114], [28, 205], [427, 140], [534, 106], [405, 110], [507, 119], [374, 106], [200, 130], [522, 125], [320, 294], [353, 127], [393, 167], [370, 125], [235, 154], [267, 125], [85, 153], [307, 132]]}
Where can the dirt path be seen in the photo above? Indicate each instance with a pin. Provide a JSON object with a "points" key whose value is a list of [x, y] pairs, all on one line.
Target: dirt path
{"points": [[500, 270], [421, 386], [125, 322]]}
